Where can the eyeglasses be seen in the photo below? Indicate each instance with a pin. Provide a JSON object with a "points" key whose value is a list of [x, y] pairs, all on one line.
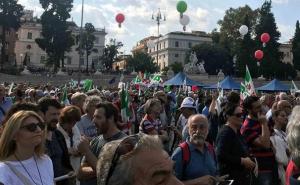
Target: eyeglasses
{"points": [[33, 126], [238, 115], [126, 146]]}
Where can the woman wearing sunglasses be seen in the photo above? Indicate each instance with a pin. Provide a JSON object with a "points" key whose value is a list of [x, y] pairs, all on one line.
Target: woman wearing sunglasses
{"points": [[22, 158], [232, 152]]}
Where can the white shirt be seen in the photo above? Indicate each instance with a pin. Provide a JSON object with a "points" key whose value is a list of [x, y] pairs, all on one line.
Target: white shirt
{"points": [[8, 177]]}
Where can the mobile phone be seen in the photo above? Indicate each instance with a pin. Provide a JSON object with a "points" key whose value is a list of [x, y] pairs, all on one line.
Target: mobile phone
{"points": [[226, 182]]}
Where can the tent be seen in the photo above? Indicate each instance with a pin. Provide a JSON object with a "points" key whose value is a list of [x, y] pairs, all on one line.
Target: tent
{"points": [[182, 79], [228, 83], [274, 85]]}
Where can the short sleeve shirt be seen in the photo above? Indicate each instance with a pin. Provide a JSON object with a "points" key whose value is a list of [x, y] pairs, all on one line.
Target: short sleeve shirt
{"points": [[148, 124]]}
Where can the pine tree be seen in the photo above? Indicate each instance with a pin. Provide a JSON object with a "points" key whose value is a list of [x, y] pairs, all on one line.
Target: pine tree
{"points": [[296, 47], [270, 64]]}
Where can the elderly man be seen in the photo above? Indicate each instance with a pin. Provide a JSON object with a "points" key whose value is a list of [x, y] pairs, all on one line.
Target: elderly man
{"points": [[120, 163], [5, 103], [195, 161]]}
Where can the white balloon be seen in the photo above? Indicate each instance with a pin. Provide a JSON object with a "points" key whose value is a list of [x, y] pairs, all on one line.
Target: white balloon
{"points": [[185, 20], [150, 44], [243, 30]]}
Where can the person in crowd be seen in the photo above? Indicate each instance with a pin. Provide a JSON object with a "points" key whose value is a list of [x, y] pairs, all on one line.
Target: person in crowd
{"points": [[78, 100], [22, 157], [256, 132], [293, 135], [151, 124], [106, 120], [195, 160], [232, 151], [278, 140], [5, 103], [86, 125], [172, 94], [207, 103], [266, 101], [162, 97], [55, 142], [66, 125], [119, 162], [286, 106]]}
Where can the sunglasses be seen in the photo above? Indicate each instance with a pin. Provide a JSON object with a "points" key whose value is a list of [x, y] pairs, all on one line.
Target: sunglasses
{"points": [[33, 126], [126, 146], [238, 115]]}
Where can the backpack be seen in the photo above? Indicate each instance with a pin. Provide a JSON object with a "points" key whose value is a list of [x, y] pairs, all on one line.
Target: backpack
{"points": [[186, 154]]}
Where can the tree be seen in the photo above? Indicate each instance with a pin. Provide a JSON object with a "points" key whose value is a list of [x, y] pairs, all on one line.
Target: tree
{"points": [[271, 62], [110, 53], [10, 15], [87, 42], [215, 57], [56, 38], [176, 67], [296, 47], [142, 62]]}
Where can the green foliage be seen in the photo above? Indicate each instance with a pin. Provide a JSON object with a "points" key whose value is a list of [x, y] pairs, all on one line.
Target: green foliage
{"points": [[215, 57], [176, 67], [142, 62], [110, 54], [57, 39], [271, 62], [296, 47], [10, 14]]}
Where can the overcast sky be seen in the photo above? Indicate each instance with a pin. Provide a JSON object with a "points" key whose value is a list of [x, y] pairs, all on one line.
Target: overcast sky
{"points": [[138, 24]]}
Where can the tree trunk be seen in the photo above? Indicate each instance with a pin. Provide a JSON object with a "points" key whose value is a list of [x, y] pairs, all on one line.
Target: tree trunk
{"points": [[3, 47]]}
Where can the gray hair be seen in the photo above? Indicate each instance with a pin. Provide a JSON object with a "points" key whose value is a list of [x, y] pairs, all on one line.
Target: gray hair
{"points": [[89, 101], [76, 97], [293, 135], [124, 171]]}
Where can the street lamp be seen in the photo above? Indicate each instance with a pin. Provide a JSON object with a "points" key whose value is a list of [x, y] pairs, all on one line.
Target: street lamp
{"points": [[21, 56], [158, 18], [80, 43]]}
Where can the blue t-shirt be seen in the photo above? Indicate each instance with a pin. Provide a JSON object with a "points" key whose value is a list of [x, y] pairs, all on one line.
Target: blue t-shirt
{"points": [[5, 105], [200, 163]]}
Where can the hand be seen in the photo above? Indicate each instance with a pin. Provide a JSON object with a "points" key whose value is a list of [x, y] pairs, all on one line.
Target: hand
{"points": [[261, 118], [221, 178], [71, 174], [248, 163], [84, 145], [206, 180]]}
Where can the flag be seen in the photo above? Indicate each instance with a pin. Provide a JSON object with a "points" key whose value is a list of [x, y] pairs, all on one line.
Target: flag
{"points": [[184, 87], [249, 84], [11, 88], [219, 101], [243, 93], [156, 79], [64, 99], [124, 105], [87, 85], [137, 80], [294, 88], [73, 83]]}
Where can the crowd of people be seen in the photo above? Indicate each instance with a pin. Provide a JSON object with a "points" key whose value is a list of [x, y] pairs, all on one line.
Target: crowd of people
{"points": [[171, 137]]}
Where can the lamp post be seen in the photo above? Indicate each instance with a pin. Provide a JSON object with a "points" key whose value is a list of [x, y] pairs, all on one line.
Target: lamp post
{"points": [[158, 18], [80, 43], [1, 55], [21, 56]]}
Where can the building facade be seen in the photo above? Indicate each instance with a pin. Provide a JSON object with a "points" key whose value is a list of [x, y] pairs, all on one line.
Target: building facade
{"points": [[9, 46], [286, 49], [174, 46], [28, 52]]}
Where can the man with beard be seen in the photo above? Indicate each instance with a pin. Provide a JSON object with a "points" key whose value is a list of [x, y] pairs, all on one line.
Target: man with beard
{"points": [[106, 120], [56, 146], [256, 132], [201, 166]]}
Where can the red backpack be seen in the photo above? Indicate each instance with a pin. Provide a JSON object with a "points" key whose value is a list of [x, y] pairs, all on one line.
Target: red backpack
{"points": [[186, 154]]}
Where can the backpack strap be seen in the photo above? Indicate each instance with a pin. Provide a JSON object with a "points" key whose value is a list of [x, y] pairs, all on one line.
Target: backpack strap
{"points": [[211, 150], [186, 154]]}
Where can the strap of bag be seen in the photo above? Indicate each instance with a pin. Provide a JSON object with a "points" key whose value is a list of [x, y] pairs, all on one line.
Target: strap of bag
{"points": [[2, 111], [24, 179], [185, 156]]}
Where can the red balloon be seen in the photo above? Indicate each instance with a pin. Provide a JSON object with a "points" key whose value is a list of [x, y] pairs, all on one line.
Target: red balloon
{"points": [[120, 18], [265, 37], [259, 54]]}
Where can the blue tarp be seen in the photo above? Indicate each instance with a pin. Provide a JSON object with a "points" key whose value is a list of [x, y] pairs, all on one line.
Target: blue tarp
{"points": [[274, 85], [180, 78], [228, 83]]}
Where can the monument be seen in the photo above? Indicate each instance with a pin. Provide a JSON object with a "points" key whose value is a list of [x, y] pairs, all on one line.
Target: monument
{"points": [[170, 73], [61, 73], [193, 67], [25, 71], [221, 75]]}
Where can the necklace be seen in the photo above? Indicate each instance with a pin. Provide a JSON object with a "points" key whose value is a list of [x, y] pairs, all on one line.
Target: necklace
{"points": [[27, 170]]}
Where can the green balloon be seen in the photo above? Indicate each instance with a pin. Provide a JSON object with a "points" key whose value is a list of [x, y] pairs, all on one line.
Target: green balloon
{"points": [[181, 6]]}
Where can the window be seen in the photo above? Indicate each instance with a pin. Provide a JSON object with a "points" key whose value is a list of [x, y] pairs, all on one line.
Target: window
{"points": [[96, 40], [190, 45], [177, 44], [8, 33], [43, 60], [176, 55], [69, 60], [82, 61], [95, 62], [160, 46], [164, 44], [6, 45], [17, 36], [164, 56], [29, 35]]}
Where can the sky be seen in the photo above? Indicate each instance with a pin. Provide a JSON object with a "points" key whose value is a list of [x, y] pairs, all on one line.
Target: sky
{"points": [[204, 15]]}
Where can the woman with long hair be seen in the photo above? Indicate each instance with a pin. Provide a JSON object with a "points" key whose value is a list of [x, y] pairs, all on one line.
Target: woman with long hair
{"points": [[232, 152], [22, 158]]}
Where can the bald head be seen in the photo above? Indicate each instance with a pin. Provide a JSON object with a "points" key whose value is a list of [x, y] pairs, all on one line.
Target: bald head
{"points": [[198, 129], [197, 118]]}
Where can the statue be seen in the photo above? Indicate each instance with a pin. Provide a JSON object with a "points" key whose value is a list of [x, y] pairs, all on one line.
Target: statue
{"points": [[201, 68], [220, 75], [190, 67], [25, 71]]}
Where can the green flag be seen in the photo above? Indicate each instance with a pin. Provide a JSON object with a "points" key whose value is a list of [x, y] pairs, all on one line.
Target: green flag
{"points": [[124, 105], [243, 93], [87, 85], [249, 83], [156, 79], [64, 99], [137, 80]]}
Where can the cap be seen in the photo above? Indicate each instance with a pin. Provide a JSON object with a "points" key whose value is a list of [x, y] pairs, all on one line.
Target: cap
{"points": [[188, 102]]}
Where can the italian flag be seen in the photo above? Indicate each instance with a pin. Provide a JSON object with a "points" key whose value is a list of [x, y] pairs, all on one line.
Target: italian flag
{"points": [[247, 89], [64, 99]]}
